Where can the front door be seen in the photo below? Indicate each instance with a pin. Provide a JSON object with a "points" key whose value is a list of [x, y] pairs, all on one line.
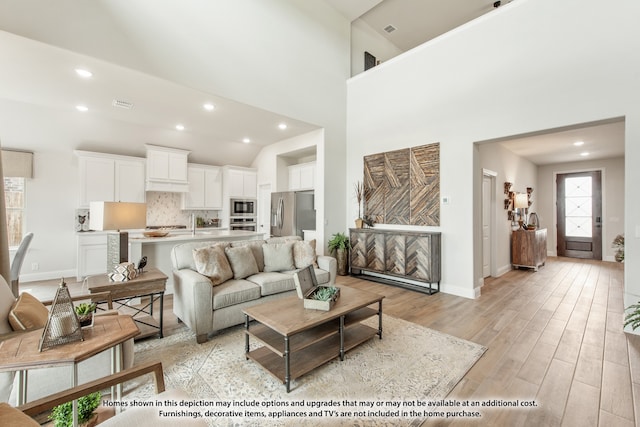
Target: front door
{"points": [[579, 208]]}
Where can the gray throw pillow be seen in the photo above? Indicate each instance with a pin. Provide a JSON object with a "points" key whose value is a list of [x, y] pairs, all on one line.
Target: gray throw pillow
{"points": [[242, 261], [256, 248], [212, 262], [278, 256], [304, 253]]}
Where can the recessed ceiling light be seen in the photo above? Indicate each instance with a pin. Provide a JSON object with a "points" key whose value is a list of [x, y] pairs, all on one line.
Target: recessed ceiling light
{"points": [[282, 126], [584, 154], [578, 143], [179, 127], [82, 108], [246, 140], [208, 107], [83, 73]]}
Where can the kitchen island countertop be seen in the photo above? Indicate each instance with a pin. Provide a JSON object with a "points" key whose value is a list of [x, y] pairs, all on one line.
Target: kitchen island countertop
{"points": [[185, 236]]}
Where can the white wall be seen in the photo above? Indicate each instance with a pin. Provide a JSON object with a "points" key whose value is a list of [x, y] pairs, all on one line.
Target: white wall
{"points": [[613, 202], [522, 174], [366, 39], [527, 66]]}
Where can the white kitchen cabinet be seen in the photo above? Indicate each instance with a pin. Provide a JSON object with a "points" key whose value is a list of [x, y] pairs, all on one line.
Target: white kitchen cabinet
{"points": [[167, 169], [110, 178], [240, 182], [205, 188], [92, 254], [302, 176]]}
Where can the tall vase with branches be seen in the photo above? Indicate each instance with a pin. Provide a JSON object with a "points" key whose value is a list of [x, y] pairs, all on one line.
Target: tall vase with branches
{"points": [[358, 189]]}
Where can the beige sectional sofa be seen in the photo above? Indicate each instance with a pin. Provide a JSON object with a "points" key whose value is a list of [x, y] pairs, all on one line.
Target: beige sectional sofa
{"points": [[214, 281]]}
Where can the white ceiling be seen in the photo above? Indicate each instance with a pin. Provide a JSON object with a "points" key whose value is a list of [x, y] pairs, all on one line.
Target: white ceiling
{"points": [[39, 91]]}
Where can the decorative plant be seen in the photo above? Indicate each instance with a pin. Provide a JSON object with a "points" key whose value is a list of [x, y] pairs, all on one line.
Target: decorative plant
{"points": [[85, 308], [633, 317], [339, 241], [325, 293], [62, 415], [358, 189], [618, 245]]}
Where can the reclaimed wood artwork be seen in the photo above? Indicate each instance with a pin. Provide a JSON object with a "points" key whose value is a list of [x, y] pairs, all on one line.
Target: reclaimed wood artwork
{"points": [[403, 186]]}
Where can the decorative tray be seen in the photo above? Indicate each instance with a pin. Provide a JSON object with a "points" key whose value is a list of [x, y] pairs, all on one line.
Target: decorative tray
{"points": [[155, 233]]}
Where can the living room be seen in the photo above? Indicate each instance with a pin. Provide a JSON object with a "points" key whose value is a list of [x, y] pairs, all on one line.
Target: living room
{"points": [[510, 74]]}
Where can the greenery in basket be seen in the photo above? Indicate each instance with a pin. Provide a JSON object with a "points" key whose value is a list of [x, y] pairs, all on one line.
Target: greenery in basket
{"points": [[338, 241], [325, 293], [618, 245], [62, 415], [633, 317]]}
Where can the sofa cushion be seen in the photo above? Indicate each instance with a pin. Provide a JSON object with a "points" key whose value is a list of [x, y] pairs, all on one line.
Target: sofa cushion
{"points": [[242, 261], [233, 292], [28, 313], [182, 254], [304, 253], [273, 282], [212, 262], [278, 256], [256, 248]]}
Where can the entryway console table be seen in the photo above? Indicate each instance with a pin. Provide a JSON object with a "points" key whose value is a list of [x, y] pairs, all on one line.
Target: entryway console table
{"points": [[410, 259], [529, 248]]}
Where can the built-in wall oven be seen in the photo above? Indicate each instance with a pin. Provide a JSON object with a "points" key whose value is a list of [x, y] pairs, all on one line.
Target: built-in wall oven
{"points": [[247, 223], [243, 207]]}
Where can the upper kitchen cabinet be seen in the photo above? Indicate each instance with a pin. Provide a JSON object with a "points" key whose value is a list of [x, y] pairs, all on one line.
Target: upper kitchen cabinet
{"points": [[167, 169], [240, 182], [302, 176], [205, 188], [110, 178]]}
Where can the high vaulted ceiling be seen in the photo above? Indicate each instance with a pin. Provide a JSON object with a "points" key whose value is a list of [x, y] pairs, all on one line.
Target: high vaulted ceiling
{"points": [[39, 91]]}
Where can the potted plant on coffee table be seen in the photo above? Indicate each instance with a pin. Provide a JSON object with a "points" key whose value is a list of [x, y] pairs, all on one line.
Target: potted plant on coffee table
{"points": [[339, 243], [85, 312]]}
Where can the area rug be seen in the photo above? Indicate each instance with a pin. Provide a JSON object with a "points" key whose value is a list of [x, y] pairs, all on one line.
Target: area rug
{"points": [[381, 382]]}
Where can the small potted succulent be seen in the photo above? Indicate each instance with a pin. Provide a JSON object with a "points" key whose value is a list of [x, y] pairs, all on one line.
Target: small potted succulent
{"points": [[85, 312]]}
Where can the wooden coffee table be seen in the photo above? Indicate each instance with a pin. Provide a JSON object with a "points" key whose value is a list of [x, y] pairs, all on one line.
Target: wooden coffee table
{"points": [[152, 283], [297, 340]]}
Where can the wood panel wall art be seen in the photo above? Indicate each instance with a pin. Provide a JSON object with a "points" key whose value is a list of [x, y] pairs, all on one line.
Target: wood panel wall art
{"points": [[403, 186]]}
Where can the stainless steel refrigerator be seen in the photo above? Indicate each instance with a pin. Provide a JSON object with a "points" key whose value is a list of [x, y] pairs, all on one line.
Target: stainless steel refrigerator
{"points": [[292, 212]]}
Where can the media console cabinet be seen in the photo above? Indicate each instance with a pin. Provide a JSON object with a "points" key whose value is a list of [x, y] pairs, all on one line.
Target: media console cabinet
{"points": [[410, 259]]}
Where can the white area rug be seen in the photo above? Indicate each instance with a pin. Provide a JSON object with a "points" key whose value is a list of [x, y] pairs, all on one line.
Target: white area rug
{"points": [[410, 364]]}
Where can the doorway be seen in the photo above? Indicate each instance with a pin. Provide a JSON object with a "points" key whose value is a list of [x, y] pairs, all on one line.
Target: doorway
{"points": [[264, 209], [488, 220], [579, 213]]}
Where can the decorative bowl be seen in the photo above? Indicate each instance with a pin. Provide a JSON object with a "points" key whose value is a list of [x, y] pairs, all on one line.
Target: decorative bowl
{"points": [[155, 233]]}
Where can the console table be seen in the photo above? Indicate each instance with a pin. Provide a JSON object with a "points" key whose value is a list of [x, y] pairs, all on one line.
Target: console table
{"points": [[151, 283], [410, 259]]}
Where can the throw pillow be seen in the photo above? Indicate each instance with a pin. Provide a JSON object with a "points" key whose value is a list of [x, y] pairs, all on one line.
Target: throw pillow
{"points": [[212, 262], [304, 253], [28, 313], [278, 256], [242, 261], [256, 248]]}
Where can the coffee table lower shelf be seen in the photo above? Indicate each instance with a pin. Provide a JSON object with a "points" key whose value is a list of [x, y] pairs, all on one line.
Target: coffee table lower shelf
{"points": [[310, 357]]}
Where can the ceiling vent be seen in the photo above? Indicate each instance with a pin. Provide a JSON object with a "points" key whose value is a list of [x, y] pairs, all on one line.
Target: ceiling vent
{"points": [[122, 104], [390, 29]]}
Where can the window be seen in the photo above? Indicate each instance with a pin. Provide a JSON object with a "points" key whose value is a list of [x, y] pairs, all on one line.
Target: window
{"points": [[578, 204], [14, 200]]}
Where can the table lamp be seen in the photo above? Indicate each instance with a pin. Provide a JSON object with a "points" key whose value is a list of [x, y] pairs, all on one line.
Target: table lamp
{"points": [[521, 202], [117, 216]]}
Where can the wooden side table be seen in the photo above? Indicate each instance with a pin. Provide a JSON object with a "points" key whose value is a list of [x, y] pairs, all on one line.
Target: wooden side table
{"points": [[151, 283], [21, 352]]}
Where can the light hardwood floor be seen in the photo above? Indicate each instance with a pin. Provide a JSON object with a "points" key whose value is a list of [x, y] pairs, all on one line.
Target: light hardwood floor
{"points": [[553, 336]]}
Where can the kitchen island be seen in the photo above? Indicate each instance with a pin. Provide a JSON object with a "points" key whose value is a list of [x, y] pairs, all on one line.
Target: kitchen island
{"points": [[158, 249]]}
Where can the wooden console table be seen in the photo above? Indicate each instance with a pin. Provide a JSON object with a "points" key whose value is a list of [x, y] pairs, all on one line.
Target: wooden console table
{"points": [[410, 259], [297, 340], [151, 283], [529, 248]]}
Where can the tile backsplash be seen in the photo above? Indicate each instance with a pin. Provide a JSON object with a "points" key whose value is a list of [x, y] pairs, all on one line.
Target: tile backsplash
{"points": [[164, 209]]}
